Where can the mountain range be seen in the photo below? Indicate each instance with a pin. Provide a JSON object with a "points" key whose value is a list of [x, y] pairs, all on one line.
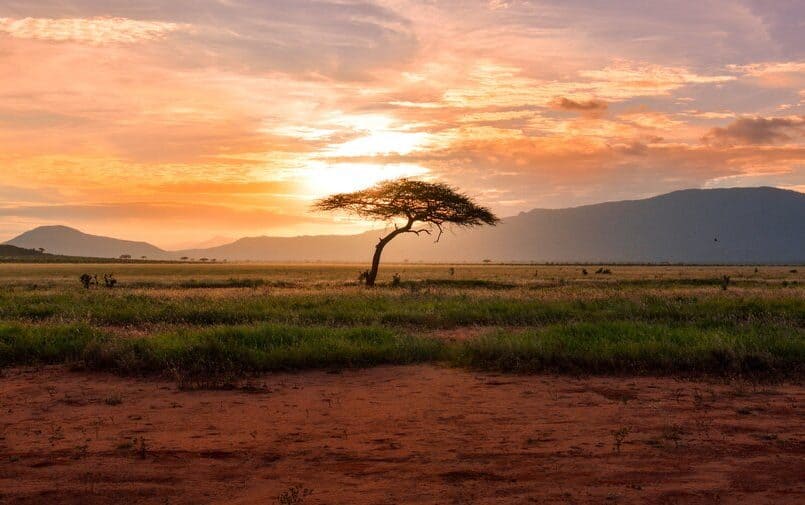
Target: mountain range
{"points": [[732, 225]]}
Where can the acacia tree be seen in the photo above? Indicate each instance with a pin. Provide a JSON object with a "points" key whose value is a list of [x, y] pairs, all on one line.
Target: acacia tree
{"points": [[406, 204]]}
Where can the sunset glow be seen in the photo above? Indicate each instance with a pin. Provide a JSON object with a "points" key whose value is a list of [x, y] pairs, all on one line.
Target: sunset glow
{"points": [[177, 121]]}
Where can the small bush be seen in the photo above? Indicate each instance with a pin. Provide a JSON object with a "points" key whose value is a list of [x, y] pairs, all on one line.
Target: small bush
{"points": [[113, 399]]}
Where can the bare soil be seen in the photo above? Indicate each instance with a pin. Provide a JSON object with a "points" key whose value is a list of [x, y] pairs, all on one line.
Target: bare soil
{"points": [[417, 434]]}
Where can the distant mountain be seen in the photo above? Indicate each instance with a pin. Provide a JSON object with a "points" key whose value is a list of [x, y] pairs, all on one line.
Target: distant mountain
{"points": [[737, 225], [305, 248], [71, 242], [215, 241]]}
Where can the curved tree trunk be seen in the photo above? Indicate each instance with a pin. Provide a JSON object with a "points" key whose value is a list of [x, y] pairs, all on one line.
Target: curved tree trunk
{"points": [[370, 279]]}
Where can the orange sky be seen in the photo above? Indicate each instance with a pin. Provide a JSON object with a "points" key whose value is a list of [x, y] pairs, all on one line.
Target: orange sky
{"points": [[178, 121]]}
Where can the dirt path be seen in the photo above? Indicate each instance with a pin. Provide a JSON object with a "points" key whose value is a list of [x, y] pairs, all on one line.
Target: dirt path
{"points": [[417, 434]]}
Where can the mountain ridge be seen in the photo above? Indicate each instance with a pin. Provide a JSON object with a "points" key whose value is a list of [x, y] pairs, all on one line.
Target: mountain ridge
{"points": [[722, 225], [74, 242]]}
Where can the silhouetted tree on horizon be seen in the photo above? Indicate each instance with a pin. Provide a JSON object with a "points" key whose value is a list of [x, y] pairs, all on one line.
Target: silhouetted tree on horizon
{"points": [[435, 205]]}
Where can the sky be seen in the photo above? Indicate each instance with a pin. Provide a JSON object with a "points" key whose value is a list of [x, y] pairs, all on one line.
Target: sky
{"points": [[183, 122]]}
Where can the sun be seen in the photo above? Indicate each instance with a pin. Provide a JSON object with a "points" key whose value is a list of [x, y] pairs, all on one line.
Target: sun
{"points": [[375, 135], [321, 179], [370, 137]]}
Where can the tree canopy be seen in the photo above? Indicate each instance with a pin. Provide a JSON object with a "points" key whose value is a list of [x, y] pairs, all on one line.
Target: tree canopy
{"points": [[432, 204], [414, 201]]}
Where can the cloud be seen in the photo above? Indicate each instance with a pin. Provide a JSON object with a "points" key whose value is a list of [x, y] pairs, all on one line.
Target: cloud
{"points": [[775, 74], [625, 78], [590, 107], [22, 194], [708, 114], [757, 131], [775, 67], [225, 187], [492, 85], [651, 120], [98, 30], [342, 39]]}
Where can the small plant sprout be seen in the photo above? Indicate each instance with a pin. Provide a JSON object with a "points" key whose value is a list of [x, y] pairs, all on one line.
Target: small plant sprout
{"points": [[113, 399], [142, 449], [294, 495], [619, 436], [673, 433]]}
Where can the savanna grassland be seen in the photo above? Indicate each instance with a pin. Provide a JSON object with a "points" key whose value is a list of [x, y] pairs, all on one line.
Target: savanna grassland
{"points": [[200, 319], [255, 383]]}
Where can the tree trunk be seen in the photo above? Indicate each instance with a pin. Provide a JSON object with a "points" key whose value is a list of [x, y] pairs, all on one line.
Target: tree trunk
{"points": [[370, 279]]}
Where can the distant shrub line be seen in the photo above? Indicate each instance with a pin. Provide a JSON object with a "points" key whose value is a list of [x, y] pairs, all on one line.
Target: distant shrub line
{"points": [[578, 348]]}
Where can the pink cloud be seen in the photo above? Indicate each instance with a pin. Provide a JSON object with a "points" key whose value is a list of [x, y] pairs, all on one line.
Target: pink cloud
{"points": [[97, 30]]}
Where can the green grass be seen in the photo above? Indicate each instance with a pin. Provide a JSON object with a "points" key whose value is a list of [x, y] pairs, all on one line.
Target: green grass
{"points": [[620, 347], [361, 308], [262, 348], [637, 348], [242, 349], [25, 344], [210, 320]]}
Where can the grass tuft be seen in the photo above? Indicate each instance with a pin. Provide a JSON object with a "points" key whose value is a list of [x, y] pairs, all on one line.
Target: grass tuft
{"points": [[225, 353], [625, 347]]}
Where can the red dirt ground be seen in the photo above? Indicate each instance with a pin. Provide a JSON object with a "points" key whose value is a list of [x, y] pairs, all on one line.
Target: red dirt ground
{"points": [[418, 434]]}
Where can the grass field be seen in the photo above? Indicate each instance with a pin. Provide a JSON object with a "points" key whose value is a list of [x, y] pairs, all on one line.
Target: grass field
{"points": [[225, 320]]}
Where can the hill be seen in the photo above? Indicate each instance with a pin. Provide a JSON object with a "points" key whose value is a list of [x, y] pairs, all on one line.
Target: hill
{"points": [[14, 254], [736, 225], [68, 241]]}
